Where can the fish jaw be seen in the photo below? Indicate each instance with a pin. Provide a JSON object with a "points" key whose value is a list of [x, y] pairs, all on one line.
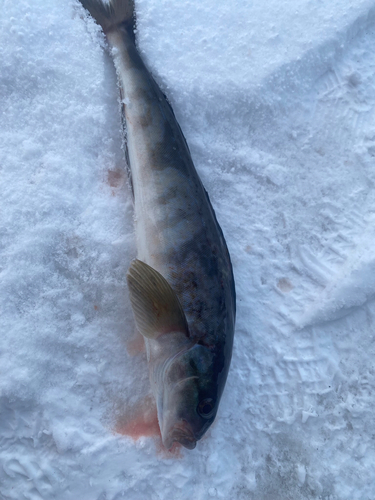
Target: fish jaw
{"points": [[182, 433]]}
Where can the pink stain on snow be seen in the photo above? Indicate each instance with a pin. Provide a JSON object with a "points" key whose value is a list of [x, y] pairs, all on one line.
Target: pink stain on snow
{"points": [[142, 421], [136, 345]]}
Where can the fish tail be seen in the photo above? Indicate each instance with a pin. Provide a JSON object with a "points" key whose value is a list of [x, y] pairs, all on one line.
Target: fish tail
{"points": [[112, 14]]}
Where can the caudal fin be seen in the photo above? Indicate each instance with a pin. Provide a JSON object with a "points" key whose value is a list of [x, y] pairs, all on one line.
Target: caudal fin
{"points": [[109, 15]]}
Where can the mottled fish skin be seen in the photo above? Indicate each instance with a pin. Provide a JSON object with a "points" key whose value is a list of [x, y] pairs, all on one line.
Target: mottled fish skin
{"points": [[176, 228]]}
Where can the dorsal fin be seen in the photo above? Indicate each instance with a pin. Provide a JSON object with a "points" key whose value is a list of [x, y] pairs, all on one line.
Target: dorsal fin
{"points": [[156, 307]]}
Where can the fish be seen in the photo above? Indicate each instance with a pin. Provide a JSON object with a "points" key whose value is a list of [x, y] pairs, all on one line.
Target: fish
{"points": [[181, 283]]}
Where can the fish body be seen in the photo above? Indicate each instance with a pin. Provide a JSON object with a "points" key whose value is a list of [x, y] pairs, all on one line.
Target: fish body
{"points": [[181, 284]]}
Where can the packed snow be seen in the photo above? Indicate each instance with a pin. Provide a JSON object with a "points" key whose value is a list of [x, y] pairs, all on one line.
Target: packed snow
{"points": [[277, 103]]}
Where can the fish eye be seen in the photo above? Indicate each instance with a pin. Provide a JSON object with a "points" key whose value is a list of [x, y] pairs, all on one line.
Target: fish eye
{"points": [[206, 407]]}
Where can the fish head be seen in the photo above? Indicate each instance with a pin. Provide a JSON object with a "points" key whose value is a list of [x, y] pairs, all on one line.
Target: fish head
{"points": [[187, 376], [188, 403]]}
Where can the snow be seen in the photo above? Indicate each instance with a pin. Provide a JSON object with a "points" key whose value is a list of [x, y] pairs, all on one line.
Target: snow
{"points": [[277, 103]]}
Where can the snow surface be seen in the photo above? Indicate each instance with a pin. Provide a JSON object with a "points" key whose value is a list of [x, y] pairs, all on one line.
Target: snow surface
{"points": [[277, 101]]}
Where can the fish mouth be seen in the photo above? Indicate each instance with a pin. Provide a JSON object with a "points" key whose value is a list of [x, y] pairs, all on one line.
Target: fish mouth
{"points": [[181, 433]]}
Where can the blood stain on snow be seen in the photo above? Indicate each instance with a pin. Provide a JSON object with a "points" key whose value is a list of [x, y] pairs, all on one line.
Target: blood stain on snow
{"points": [[135, 345], [141, 420], [285, 285], [115, 177]]}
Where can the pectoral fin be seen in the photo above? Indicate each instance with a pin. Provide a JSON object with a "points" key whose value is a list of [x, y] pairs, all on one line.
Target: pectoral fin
{"points": [[156, 307]]}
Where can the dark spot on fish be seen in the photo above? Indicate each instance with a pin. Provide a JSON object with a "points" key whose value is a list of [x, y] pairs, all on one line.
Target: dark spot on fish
{"points": [[193, 364], [146, 119], [167, 196], [204, 343]]}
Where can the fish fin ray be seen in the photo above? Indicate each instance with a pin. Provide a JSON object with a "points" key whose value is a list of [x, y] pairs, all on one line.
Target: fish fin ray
{"points": [[156, 307], [109, 15]]}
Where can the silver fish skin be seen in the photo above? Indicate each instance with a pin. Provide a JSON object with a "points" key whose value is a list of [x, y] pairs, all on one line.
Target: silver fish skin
{"points": [[181, 285]]}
